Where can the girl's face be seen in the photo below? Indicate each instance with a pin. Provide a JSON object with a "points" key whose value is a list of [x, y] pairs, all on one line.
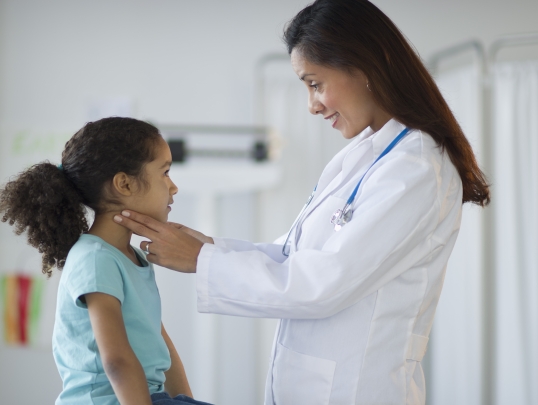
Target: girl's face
{"points": [[156, 198], [342, 98]]}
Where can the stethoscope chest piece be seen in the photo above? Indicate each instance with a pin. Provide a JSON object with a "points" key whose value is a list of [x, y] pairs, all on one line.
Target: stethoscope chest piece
{"points": [[341, 217]]}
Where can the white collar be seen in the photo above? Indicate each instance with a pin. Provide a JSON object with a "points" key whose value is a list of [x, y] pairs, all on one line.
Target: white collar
{"points": [[382, 138]]}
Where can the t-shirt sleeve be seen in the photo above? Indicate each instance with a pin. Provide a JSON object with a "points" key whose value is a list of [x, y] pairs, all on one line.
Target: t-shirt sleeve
{"points": [[96, 271]]}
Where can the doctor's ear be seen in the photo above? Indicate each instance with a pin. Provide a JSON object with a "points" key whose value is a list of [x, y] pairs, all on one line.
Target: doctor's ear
{"points": [[124, 184]]}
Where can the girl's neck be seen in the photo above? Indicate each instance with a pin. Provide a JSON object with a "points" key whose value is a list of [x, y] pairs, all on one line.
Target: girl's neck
{"points": [[114, 234]]}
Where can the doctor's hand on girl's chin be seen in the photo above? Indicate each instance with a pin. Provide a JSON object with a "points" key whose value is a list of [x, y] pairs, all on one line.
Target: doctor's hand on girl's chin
{"points": [[172, 245], [198, 235]]}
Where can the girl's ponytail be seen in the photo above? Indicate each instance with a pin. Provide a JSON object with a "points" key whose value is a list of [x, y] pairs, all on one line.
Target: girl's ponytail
{"points": [[49, 203], [45, 204]]}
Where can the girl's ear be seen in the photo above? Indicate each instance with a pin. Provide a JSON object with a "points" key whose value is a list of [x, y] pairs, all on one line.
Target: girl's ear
{"points": [[123, 184]]}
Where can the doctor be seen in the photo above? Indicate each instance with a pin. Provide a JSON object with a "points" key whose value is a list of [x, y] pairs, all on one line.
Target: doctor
{"points": [[358, 280]]}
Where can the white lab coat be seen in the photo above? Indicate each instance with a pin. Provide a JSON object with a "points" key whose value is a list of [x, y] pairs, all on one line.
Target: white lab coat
{"points": [[356, 306]]}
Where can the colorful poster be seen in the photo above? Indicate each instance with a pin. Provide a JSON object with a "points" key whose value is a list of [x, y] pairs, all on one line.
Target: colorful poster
{"points": [[21, 297]]}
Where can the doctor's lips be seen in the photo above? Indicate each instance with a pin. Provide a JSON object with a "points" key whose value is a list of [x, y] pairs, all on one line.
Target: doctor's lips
{"points": [[333, 118]]}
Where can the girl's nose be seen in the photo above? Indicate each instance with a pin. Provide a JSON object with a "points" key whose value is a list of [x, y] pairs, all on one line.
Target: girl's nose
{"points": [[173, 188]]}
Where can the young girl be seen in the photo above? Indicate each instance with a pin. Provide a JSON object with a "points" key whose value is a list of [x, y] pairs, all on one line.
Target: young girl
{"points": [[109, 343]]}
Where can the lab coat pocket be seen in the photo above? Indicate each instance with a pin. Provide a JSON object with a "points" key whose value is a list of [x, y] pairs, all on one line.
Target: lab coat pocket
{"points": [[301, 379]]}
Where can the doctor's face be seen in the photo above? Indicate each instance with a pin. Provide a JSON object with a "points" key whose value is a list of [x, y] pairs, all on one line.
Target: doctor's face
{"points": [[340, 97]]}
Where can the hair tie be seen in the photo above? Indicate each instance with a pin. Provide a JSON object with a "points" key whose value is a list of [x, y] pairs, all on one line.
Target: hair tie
{"points": [[60, 167]]}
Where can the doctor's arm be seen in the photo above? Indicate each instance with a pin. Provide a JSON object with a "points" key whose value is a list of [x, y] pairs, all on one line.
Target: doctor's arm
{"points": [[273, 250], [394, 217], [177, 247]]}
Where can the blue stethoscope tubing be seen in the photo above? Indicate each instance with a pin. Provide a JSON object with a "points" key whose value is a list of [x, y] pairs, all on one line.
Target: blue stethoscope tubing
{"points": [[342, 216]]}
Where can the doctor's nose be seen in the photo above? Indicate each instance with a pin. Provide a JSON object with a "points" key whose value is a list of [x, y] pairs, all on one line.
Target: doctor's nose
{"points": [[314, 106]]}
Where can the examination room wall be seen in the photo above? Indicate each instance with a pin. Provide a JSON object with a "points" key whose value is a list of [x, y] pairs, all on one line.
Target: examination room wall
{"points": [[64, 62]]}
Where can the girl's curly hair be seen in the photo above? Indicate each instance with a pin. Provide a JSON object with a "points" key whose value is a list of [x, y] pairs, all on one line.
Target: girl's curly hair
{"points": [[48, 202]]}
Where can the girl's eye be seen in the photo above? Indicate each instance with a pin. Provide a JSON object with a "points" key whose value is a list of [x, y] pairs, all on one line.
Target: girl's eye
{"points": [[314, 86], [166, 173]]}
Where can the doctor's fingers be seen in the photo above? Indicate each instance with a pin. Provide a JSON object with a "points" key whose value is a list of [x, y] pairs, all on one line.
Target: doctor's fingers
{"points": [[195, 234], [167, 264], [138, 227], [176, 225], [145, 220], [173, 249], [153, 259]]}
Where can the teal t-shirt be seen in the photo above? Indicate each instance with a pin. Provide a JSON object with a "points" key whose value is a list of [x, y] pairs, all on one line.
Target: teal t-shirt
{"points": [[95, 266]]}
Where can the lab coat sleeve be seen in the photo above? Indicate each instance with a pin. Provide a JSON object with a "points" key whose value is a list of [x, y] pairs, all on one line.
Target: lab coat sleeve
{"points": [[273, 250], [394, 217]]}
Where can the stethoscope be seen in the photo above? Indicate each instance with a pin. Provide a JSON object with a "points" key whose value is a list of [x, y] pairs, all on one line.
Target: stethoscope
{"points": [[342, 215]]}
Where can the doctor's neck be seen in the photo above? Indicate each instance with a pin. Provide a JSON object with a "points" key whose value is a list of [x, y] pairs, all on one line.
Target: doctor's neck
{"points": [[381, 119]]}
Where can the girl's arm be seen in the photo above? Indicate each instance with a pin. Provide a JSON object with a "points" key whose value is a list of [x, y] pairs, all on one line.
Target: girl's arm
{"points": [[119, 361], [176, 379]]}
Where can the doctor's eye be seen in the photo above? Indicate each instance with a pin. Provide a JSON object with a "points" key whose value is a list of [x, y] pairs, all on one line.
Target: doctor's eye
{"points": [[314, 86], [166, 173]]}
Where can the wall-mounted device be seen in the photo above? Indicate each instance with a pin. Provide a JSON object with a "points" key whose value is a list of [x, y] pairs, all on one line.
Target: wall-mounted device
{"points": [[217, 142]]}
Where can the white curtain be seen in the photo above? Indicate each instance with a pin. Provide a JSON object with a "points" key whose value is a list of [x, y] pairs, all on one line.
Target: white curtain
{"points": [[454, 355], [515, 196]]}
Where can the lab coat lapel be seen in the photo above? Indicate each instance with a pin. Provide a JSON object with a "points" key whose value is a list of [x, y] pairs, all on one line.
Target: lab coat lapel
{"points": [[357, 153], [358, 160], [385, 136], [338, 169], [332, 170], [332, 177]]}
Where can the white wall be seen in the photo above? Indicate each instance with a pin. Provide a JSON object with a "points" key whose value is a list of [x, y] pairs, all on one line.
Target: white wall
{"points": [[178, 61]]}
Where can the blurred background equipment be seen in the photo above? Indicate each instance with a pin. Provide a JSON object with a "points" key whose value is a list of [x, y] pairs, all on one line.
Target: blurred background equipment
{"points": [[217, 142]]}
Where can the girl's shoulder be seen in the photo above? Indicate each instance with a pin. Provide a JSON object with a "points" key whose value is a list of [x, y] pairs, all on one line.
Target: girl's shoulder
{"points": [[93, 265], [92, 252], [91, 247]]}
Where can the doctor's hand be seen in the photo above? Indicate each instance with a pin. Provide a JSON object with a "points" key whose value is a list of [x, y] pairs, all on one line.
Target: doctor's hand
{"points": [[171, 245], [198, 235]]}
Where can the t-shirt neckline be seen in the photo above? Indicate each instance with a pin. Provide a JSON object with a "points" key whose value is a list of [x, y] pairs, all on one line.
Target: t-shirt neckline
{"points": [[115, 249]]}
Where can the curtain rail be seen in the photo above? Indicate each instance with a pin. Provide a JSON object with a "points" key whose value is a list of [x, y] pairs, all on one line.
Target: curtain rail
{"points": [[259, 83], [472, 45], [507, 41]]}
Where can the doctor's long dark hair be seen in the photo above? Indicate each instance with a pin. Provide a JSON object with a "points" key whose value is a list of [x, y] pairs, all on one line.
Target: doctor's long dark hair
{"points": [[355, 34], [48, 202]]}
